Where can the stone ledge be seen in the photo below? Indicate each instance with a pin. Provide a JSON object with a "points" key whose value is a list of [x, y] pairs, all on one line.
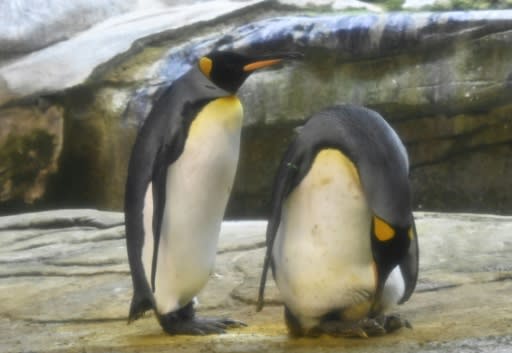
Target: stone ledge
{"points": [[66, 288]]}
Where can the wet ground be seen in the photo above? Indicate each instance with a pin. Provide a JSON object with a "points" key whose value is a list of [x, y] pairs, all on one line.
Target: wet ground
{"points": [[65, 287]]}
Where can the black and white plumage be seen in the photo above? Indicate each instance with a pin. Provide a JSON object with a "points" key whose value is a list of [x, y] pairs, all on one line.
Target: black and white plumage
{"points": [[180, 175], [341, 239]]}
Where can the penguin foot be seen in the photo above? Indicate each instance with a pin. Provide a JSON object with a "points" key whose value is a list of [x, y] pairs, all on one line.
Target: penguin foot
{"points": [[184, 322], [365, 328], [392, 323], [201, 326]]}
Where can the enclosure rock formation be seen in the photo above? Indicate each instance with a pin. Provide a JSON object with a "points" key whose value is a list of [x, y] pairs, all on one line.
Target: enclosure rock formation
{"points": [[65, 287], [442, 79]]}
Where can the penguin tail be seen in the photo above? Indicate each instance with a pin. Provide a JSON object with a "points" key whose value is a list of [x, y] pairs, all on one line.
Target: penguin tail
{"points": [[138, 307]]}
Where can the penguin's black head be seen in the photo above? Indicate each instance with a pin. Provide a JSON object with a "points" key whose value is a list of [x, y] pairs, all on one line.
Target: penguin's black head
{"points": [[229, 70]]}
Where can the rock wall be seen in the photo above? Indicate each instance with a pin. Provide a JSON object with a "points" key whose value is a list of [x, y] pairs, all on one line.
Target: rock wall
{"points": [[442, 79]]}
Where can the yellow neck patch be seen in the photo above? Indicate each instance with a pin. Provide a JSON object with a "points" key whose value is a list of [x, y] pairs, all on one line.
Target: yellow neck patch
{"points": [[332, 156], [205, 65], [225, 112], [383, 231]]}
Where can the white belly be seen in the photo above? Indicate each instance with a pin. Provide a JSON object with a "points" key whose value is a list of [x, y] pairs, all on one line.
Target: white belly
{"points": [[322, 252], [197, 191]]}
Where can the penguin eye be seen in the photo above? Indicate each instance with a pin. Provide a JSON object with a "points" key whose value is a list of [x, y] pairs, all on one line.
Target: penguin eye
{"points": [[382, 230], [205, 65]]}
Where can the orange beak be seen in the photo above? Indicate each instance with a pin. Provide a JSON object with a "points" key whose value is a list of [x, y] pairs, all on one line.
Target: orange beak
{"points": [[261, 64], [269, 60]]}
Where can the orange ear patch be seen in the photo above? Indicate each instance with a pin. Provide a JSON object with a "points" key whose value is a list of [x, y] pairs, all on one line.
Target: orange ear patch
{"points": [[383, 231], [205, 65], [410, 233]]}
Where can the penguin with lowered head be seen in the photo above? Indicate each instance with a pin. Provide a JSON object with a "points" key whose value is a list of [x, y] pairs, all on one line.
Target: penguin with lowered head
{"points": [[341, 238]]}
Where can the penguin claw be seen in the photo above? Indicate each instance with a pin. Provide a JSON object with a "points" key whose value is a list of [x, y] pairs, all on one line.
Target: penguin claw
{"points": [[392, 323], [363, 329], [342, 329], [202, 326]]}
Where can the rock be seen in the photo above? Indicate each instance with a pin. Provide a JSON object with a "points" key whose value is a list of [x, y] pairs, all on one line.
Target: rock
{"points": [[29, 25], [71, 62], [441, 79], [30, 146], [89, 146], [65, 286], [446, 107]]}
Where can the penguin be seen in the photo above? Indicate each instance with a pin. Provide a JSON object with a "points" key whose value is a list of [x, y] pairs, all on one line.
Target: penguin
{"points": [[180, 175], [341, 239]]}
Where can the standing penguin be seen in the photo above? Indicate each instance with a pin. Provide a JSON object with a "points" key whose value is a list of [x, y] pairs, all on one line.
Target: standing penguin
{"points": [[179, 179], [341, 239]]}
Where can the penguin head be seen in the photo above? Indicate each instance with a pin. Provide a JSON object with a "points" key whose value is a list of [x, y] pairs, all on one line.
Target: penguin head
{"points": [[229, 70]]}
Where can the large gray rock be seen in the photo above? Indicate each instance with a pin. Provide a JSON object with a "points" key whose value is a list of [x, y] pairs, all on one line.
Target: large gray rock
{"points": [[441, 79], [29, 25], [65, 287], [71, 62], [30, 150]]}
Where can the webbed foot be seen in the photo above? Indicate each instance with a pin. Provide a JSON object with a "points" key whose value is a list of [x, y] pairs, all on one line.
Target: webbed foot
{"points": [[184, 322], [364, 328], [200, 326], [392, 323]]}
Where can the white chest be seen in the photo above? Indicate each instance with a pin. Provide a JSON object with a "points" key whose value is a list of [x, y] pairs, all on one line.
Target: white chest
{"points": [[322, 252], [197, 190]]}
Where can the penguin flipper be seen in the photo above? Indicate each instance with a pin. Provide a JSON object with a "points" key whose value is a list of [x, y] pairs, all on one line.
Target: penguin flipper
{"points": [[139, 177], [159, 199], [144, 158], [139, 305], [287, 177], [410, 266]]}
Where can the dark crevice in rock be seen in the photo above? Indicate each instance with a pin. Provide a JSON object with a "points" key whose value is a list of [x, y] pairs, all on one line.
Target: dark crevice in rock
{"points": [[234, 294], [502, 278], [38, 233], [436, 288], [98, 239], [86, 264], [67, 321], [61, 223], [468, 150], [34, 246], [459, 137]]}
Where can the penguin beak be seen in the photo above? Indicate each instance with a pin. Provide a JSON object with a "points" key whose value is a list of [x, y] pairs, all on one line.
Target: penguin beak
{"points": [[270, 61]]}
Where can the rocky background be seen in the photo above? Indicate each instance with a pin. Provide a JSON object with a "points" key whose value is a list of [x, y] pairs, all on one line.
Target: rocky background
{"points": [[77, 81], [77, 78]]}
